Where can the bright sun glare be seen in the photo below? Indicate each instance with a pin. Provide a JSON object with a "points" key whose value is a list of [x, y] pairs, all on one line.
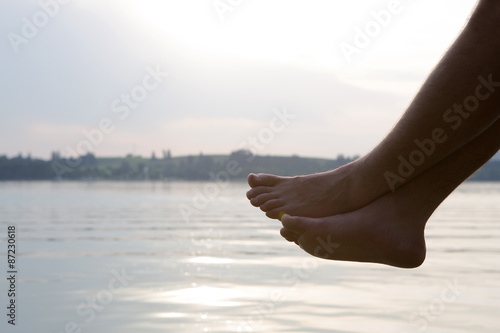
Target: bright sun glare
{"points": [[249, 34]]}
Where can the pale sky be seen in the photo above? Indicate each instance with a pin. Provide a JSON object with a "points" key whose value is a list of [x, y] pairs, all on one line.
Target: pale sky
{"points": [[71, 68]]}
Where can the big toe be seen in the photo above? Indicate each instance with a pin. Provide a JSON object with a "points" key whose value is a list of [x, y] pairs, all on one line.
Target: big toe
{"points": [[296, 224], [289, 235], [262, 179]]}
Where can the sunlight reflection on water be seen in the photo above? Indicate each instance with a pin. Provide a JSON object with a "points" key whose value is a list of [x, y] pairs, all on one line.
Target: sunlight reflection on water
{"points": [[204, 295], [222, 271]]}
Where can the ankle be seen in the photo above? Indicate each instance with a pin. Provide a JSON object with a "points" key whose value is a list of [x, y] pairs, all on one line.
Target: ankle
{"points": [[363, 182]]}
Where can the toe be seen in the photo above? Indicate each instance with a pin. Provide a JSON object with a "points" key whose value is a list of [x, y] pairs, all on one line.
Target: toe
{"points": [[289, 235], [256, 191], [275, 213], [262, 179], [272, 204], [296, 224], [252, 179], [262, 199]]}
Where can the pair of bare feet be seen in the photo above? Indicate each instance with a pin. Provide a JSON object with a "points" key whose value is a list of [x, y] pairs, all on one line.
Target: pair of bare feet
{"points": [[352, 213], [327, 216], [386, 230]]}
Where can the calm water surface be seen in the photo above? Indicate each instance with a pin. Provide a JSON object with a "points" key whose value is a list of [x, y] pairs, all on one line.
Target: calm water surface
{"points": [[194, 257]]}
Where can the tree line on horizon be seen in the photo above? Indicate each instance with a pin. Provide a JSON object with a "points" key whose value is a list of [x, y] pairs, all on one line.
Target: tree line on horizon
{"points": [[192, 167]]}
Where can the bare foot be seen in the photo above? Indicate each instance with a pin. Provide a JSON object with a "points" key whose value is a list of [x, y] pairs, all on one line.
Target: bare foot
{"points": [[317, 195], [389, 231]]}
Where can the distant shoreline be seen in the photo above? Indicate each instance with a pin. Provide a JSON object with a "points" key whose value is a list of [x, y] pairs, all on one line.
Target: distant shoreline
{"points": [[238, 180], [234, 167]]}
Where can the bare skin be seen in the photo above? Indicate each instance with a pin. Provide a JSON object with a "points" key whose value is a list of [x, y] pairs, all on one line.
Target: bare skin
{"points": [[316, 195], [469, 72], [390, 230]]}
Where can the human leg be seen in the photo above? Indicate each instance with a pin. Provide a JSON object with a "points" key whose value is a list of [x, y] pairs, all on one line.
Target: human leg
{"points": [[390, 230], [457, 103]]}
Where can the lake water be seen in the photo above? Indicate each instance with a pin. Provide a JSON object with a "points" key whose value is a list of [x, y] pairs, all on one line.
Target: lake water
{"points": [[195, 257]]}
